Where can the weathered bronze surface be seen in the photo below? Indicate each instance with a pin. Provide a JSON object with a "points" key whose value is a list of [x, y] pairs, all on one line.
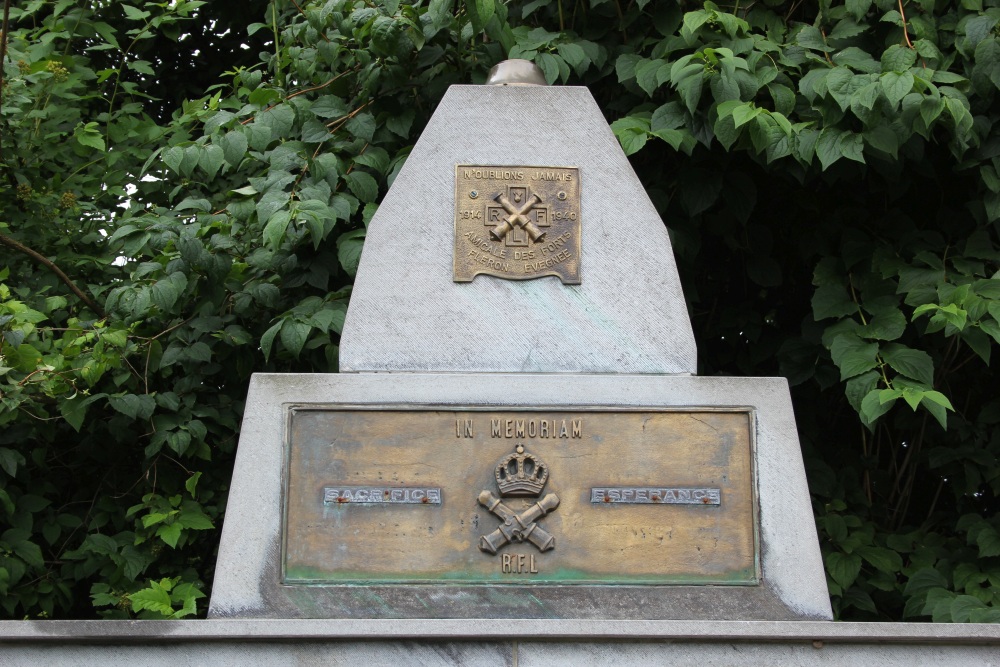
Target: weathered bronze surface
{"points": [[517, 222], [410, 496]]}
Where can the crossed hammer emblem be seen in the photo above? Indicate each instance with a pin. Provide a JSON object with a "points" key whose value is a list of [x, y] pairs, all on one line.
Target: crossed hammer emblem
{"points": [[518, 527], [517, 218]]}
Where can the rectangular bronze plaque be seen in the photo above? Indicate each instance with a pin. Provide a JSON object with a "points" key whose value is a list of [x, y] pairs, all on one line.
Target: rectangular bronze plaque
{"points": [[519, 496], [517, 222]]}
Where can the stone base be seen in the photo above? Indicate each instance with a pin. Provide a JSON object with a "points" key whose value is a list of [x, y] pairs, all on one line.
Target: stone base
{"points": [[792, 583], [474, 642]]}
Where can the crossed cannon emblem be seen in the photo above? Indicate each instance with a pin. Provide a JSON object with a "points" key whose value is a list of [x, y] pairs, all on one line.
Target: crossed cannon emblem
{"points": [[517, 217], [518, 527], [519, 474]]}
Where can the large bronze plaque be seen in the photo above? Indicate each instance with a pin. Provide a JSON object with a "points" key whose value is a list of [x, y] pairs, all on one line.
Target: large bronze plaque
{"points": [[517, 222], [520, 496]]}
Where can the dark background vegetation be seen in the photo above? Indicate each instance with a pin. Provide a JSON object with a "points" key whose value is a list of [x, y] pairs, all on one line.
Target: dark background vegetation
{"points": [[184, 189]]}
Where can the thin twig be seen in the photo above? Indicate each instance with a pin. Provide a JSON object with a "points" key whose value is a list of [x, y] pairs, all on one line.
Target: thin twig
{"points": [[176, 326], [826, 54], [46, 262], [301, 92], [906, 33]]}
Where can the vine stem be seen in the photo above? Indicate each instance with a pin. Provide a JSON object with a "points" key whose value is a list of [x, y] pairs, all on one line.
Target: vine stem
{"points": [[50, 265], [906, 32]]}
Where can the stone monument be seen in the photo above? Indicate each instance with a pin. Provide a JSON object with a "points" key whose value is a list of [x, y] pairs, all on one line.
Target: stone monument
{"points": [[517, 430], [518, 464]]}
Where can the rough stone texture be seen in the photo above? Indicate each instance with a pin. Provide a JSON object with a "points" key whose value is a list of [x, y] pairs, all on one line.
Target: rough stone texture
{"points": [[244, 651], [482, 642], [539, 654], [247, 575], [628, 315]]}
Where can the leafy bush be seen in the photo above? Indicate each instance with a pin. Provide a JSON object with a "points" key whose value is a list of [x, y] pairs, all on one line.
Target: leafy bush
{"points": [[828, 171]]}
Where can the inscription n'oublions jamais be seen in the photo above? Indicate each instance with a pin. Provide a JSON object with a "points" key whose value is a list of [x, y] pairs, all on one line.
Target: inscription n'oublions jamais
{"points": [[517, 222]]}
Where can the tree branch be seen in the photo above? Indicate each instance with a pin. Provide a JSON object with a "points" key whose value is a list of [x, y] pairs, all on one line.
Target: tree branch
{"points": [[47, 263]]}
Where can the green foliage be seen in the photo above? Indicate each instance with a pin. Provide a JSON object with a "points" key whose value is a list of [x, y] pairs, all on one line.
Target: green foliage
{"points": [[829, 173]]}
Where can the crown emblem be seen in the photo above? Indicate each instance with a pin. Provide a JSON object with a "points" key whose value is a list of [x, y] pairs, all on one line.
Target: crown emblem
{"points": [[521, 474]]}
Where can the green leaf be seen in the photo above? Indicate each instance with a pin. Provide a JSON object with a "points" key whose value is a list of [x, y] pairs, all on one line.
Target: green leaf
{"points": [[480, 12], [887, 324], [839, 83], [872, 407], [828, 147], [195, 519], [988, 541], [625, 66], [10, 460], [744, 113], [349, 246], [294, 335], [851, 146], [314, 132], [330, 106], [274, 231], [843, 568], [90, 135], [165, 292], [170, 534], [689, 90], [726, 131], [550, 67], [575, 56], [234, 147], [135, 406], [27, 551], [670, 116], [852, 355], [858, 8], [963, 606], [73, 410], [883, 139], [858, 387], [400, 123], [134, 13], [191, 484], [270, 203], [153, 598], [362, 185], [646, 75], [278, 120], [898, 58], [915, 364], [896, 86], [267, 340], [694, 20]]}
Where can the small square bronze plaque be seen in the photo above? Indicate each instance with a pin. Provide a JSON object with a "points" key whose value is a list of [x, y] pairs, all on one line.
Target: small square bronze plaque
{"points": [[517, 222], [482, 497]]}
